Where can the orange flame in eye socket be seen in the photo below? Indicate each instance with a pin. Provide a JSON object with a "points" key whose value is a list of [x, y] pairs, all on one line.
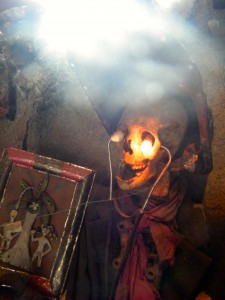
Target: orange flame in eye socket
{"points": [[146, 147]]}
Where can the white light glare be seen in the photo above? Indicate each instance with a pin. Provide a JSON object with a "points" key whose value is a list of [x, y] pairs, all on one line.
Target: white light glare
{"points": [[86, 26], [146, 147], [167, 4]]}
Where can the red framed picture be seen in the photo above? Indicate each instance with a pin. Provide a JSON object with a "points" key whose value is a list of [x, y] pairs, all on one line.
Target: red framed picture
{"points": [[42, 207]]}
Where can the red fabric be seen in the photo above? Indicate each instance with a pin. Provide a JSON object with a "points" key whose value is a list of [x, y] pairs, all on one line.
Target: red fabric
{"points": [[159, 219], [133, 284]]}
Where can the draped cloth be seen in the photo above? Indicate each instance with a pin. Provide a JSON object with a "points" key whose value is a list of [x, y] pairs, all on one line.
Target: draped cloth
{"points": [[159, 218]]}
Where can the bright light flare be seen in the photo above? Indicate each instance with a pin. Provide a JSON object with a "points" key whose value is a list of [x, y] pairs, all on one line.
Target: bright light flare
{"points": [[147, 147], [167, 4], [90, 28]]}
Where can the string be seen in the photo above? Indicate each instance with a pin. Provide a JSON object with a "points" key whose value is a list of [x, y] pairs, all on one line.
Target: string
{"points": [[132, 236], [150, 190], [157, 180], [101, 201], [110, 171]]}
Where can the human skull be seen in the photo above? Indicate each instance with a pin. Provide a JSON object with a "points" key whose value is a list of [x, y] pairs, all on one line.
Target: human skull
{"points": [[148, 125]]}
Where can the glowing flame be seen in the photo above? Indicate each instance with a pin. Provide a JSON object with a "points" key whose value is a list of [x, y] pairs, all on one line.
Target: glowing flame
{"points": [[146, 147]]}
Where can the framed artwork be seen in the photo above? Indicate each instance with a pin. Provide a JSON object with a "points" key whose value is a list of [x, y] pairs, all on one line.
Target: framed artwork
{"points": [[42, 207]]}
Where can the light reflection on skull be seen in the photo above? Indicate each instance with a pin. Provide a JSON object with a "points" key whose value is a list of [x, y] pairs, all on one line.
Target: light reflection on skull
{"points": [[147, 126]]}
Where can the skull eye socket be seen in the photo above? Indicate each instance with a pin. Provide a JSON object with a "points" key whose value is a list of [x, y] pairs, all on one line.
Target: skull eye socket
{"points": [[147, 143], [148, 136]]}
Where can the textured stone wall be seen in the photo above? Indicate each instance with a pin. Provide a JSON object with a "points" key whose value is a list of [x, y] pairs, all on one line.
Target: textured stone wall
{"points": [[207, 49]]}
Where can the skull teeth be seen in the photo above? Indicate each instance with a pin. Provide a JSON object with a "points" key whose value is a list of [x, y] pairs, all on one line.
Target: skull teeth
{"points": [[128, 172], [139, 167]]}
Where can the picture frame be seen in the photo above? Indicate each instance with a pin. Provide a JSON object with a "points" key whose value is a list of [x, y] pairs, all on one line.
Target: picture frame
{"points": [[42, 208]]}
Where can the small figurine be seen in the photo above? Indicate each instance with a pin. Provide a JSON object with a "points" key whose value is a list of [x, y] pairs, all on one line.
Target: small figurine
{"points": [[19, 255], [37, 201], [43, 243], [10, 231]]}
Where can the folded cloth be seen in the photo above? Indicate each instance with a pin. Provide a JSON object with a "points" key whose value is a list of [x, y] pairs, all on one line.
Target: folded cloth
{"points": [[159, 218]]}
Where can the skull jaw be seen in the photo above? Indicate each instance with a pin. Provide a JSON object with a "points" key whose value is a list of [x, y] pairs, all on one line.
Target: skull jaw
{"points": [[137, 180]]}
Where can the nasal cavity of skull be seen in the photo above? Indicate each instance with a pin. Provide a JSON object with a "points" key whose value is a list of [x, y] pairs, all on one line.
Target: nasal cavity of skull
{"points": [[127, 146]]}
